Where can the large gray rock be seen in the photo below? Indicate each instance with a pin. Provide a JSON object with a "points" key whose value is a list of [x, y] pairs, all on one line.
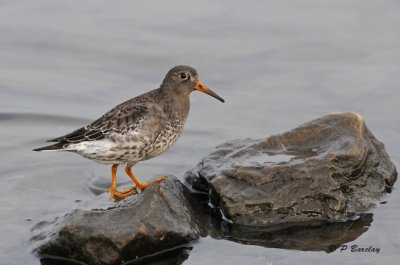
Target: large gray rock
{"points": [[102, 232], [328, 169]]}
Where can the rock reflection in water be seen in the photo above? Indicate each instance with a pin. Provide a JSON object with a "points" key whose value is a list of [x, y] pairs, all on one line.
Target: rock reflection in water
{"points": [[317, 236], [325, 237], [174, 256]]}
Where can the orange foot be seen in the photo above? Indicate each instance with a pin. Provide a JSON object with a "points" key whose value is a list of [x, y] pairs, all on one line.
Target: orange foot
{"points": [[141, 186], [120, 195], [138, 183]]}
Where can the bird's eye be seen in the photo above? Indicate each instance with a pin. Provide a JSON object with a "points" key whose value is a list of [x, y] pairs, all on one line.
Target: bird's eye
{"points": [[184, 76]]}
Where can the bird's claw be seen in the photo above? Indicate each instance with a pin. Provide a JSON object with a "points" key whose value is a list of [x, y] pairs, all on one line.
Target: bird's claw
{"points": [[120, 195], [142, 186]]}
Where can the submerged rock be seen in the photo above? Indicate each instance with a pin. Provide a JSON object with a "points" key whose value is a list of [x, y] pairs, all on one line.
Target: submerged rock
{"points": [[328, 169], [102, 232]]}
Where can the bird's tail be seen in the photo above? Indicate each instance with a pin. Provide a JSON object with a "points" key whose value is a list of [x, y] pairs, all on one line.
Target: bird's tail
{"points": [[53, 147]]}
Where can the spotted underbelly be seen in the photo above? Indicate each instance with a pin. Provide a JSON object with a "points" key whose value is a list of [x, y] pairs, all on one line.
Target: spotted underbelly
{"points": [[107, 152], [120, 149], [161, 144]]}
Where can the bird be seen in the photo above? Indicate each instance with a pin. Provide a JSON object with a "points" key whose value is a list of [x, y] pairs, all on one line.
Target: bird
{"points": [[138, 129]]}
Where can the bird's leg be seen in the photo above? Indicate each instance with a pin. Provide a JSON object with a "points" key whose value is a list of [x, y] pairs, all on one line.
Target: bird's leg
{"points": [[115, 194], [113, 188], [139, 184]]}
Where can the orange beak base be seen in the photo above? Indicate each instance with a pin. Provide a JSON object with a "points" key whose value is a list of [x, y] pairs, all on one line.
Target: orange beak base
{"points": [[203, 88]]}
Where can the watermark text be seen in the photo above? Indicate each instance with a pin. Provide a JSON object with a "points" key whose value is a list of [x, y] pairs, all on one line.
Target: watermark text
{"points": [[359, 249]]}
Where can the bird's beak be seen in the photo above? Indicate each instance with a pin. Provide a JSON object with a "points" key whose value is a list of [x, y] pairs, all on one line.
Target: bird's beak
{"points": [[203, 88]]}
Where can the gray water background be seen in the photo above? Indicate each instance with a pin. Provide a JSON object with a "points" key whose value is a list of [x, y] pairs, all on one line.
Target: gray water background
{"points": [[276, 63]]}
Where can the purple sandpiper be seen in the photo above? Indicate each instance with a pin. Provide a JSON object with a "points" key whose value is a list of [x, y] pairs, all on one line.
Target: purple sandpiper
{"points": [[138, 129]]}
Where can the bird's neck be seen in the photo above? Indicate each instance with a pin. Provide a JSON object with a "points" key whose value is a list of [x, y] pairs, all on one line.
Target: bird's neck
{"points": [[181, 104], [177, 105]]}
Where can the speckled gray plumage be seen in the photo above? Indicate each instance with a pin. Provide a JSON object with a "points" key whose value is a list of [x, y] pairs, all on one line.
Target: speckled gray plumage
{"points": [[138, 129]]}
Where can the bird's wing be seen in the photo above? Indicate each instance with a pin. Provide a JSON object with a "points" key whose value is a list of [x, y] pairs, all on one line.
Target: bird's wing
{"points": [[121, 119]]}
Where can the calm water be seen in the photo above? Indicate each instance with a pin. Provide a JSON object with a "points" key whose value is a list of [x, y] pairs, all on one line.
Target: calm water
{"points": [[277, 64]]}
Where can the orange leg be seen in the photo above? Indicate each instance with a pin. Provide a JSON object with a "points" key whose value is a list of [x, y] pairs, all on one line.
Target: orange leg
{"points": [[115, 194], [138, 183]]}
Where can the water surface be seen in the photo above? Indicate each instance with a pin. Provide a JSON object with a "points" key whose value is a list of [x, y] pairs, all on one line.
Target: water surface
{"points": [[276, 63]]}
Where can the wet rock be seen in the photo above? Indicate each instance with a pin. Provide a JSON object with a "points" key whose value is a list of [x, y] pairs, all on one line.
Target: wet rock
{"points": [[328, 169], [102, 232]]}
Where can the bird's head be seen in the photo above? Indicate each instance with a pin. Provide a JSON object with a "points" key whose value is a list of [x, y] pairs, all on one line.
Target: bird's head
{"points": [[183, 80]]}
